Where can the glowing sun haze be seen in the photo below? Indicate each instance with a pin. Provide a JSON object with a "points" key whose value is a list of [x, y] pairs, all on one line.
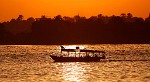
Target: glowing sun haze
{"points": [[35, 8]]}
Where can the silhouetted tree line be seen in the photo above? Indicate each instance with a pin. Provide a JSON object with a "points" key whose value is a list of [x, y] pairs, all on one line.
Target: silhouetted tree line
{"points": [[72, 30]]}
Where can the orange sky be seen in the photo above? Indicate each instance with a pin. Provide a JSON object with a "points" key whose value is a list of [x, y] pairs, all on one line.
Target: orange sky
{"points": [[36, 8]]}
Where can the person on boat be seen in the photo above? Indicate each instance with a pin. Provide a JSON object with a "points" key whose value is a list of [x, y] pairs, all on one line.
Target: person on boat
{"points": [[103, 56], [95, 55]]}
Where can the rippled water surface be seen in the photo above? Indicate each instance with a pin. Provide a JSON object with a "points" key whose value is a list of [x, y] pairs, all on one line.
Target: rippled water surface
{"points": [[31, 63]]}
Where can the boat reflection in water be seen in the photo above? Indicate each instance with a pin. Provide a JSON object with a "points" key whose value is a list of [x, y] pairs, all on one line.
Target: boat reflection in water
{"points": [[78, 55]]}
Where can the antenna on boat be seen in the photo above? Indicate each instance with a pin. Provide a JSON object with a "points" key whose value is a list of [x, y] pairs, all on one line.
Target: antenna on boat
{"points": [[62, 48]]}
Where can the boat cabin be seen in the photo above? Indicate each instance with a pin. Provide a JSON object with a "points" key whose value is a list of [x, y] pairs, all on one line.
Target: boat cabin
{"points": [[81, 52]]}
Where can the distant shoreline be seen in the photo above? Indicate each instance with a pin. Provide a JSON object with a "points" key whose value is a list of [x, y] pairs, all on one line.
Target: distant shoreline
{"points": [[123, 29]]}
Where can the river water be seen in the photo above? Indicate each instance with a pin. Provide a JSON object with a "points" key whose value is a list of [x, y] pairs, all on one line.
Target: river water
{"points": [[31, 63]]}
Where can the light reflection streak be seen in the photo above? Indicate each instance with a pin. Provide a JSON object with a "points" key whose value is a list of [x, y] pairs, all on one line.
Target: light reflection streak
{"points": [[73, 72]]}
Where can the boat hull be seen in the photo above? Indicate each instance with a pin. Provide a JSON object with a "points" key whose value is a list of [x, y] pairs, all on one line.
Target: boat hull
{"points": [[76, 59]]}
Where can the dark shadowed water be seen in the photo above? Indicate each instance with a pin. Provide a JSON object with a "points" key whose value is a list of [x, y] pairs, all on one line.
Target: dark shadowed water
{"points": [[31, 63]]}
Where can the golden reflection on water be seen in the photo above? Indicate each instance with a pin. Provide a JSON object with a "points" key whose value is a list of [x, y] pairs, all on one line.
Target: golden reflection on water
{"points": [[73, 72], [19, 63]]}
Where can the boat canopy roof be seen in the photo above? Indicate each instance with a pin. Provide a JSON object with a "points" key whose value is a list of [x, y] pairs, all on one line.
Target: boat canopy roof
{"points": [[80, 50]]}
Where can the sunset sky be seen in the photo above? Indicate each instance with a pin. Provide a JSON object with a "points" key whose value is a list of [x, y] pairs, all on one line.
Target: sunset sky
{"points": [[35, 8]]}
